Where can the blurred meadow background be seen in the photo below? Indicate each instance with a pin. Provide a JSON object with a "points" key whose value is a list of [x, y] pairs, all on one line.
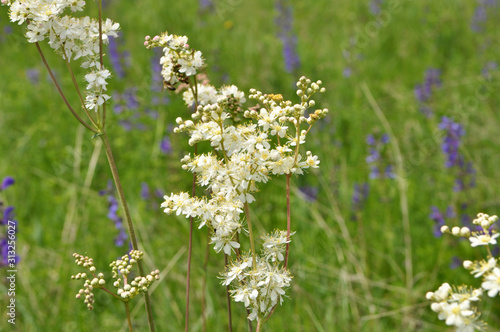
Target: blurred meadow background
{"points": [[411, 142]]}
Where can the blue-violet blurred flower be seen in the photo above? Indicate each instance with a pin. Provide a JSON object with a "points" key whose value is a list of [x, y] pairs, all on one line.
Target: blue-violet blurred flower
{"points": [[284, 22]]}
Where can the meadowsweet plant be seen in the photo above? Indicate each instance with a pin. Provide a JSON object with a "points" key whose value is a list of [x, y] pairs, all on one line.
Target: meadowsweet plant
{"points": [[249, 147], [458, 305], [79, 39], [126, 287]]}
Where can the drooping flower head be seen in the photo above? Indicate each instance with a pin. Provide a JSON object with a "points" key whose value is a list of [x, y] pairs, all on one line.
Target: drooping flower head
{"points": [[73, 38], [179, 61]]}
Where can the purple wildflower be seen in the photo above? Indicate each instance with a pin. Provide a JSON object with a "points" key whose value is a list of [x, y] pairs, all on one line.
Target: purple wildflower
{"points": [[488, 68], [126, 124], [145, 192], [206, 5], [389, 172], [159, 193], [152, 114], [481, 14], [156, 77], [466, 177], [33, 75], [359, 196], [7, 218], [284, 22], [155, 200], [5, 259], [374, 6], [119, 59], [7, 29], [166, 145], [309, 193], [347, 72], [439, 218], [6, 182], [451, 142], [423, 91], [113, 214], [8, 214], [455, 262], [376, 159]]}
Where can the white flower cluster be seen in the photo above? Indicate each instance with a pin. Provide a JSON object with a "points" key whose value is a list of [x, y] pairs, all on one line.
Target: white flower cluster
{"points": [[208, 94], [249, 146], [72, 37], [457, 307], [245, 154], [479, 238], [178, 61], [261, 288]]}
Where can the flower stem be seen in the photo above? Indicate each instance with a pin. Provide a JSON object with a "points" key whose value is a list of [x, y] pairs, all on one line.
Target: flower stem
{"points": [[288, 219], [229, 315], [204, 285], [129, 321], [190, 247], [101, 59], [61, 93], [191, 219], [250, 234], [133, 237]]}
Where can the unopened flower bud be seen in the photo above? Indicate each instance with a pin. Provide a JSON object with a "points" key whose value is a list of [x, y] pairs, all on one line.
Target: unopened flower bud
{"points": [[436, 307]]}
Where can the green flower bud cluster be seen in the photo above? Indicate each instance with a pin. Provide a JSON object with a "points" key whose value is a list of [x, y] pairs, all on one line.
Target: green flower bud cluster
{"points": [[94, 281], [121, 269]]}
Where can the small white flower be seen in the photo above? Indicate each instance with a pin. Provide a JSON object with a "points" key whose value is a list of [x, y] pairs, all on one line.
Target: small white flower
{"points": [[483, 239], [189, 64], [492, 282], [443, 292], [483, 267], [455, 313]]}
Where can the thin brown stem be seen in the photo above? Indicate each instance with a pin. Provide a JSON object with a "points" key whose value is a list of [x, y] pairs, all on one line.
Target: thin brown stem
{"points": [[191, 221], [190, 247], [259, 325], [77, 88], [133, 237], [204, 285], [61, 93], [129, 321], [288, 219], [250, 234], [101, 58], [228, 295]]}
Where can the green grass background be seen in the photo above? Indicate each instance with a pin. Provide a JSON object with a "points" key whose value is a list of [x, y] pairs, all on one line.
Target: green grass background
{"points": [[348, 276]]}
